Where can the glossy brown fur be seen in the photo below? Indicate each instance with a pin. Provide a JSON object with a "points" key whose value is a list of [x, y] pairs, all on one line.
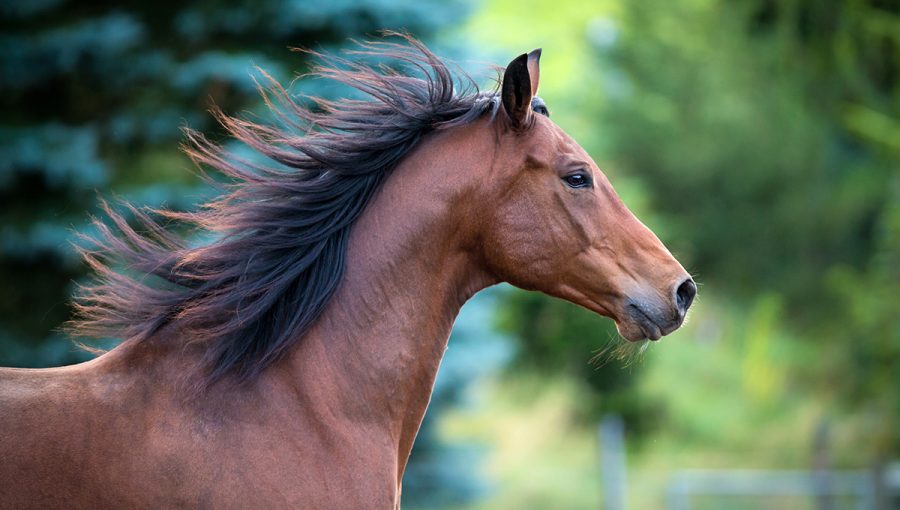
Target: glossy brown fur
{"points": [[331, 424]]}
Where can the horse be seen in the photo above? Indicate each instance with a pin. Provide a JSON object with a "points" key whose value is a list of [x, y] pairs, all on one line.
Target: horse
{"points": [[287, 361]]}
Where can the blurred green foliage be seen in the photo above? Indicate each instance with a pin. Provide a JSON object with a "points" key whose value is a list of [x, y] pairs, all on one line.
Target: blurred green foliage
{"points": [[760, 139], [766, 136], [556, 337], [775, 180]]}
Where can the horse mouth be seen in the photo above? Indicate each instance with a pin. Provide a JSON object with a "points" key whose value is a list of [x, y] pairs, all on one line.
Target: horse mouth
{"points": [[633, 322], [648, 326], [639, 325]]}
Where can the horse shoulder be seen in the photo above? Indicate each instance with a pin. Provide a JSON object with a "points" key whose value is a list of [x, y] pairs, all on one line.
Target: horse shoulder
{"points": [[43, 431]]}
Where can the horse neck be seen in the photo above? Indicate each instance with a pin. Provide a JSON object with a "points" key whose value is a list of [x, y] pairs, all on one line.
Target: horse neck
{"points": [[411, 265]]}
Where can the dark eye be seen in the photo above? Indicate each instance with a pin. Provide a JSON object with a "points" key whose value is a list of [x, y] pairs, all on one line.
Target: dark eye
{"points": [[578, 180]]}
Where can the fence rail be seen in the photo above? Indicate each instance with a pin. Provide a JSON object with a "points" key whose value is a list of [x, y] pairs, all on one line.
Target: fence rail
{"points": [[874, 489], [860, 484]]}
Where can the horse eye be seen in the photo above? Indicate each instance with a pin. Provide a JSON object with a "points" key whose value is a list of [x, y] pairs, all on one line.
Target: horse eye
{"points": [[578, 180]]}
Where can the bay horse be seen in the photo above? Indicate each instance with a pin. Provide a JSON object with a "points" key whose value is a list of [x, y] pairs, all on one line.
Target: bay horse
{"points": [[288, 361]]}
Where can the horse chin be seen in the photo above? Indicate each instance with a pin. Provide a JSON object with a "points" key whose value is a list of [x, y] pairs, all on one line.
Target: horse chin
{"points": [[633, 332]]}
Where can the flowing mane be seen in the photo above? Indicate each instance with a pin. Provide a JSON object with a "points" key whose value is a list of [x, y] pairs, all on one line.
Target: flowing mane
{"points": [[281, 231], [173, 417]]}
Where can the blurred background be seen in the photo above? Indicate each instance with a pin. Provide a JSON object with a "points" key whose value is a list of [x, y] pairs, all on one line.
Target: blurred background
{"points": [[759, 139]]}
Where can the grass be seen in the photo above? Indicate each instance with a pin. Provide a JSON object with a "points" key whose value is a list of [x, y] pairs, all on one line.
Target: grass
{"points": [[727, 399], [540, 456]]}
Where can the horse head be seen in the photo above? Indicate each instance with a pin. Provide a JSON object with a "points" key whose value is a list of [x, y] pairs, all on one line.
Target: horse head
{"points": [[552, 222]]}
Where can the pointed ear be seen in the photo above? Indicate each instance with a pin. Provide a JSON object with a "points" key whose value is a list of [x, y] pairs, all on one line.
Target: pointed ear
{"points": [[520, 84], [534, 70]]}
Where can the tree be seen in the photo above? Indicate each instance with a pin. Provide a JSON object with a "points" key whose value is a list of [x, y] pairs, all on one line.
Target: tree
{"points": [[91, 100], [768, 135]]}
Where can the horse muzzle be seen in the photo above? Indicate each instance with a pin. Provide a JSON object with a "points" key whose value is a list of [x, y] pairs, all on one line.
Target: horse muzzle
{"points": [[650, 318]]}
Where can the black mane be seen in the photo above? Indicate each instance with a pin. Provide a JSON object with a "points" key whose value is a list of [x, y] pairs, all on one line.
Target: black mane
{"points": [[282, 232]]}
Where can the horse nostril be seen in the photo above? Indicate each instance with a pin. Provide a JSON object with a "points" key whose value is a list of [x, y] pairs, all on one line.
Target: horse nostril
{"points": [[684, 295]]}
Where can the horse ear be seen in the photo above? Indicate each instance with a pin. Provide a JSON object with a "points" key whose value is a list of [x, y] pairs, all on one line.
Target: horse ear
{"points": [[534, 70], [520, 84]]}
